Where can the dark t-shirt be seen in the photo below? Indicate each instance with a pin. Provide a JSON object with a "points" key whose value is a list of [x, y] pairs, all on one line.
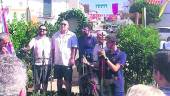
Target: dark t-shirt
{"points": [[117, 57], [86, 46]]}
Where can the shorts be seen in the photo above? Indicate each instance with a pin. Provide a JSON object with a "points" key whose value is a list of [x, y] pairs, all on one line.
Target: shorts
{"points": [[61, 71]]}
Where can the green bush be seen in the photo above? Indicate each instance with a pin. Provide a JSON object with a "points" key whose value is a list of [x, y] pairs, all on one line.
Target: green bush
{"points": [[139, 43]]}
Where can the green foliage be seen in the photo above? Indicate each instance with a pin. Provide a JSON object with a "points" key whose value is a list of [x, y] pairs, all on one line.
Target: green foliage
{"points": [[74, 13], [152, 11], [139, 43]]}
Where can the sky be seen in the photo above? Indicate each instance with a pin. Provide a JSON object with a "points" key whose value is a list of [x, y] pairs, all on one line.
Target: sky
{"points": [[108, 10]]}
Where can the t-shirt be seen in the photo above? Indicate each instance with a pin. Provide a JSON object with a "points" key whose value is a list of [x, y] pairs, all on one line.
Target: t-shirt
{"points": [[62, 44], [42, 49], [166, 90], [117, 57], [86, 46]]}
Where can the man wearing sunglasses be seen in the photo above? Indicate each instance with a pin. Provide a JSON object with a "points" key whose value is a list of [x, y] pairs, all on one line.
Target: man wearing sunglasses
{"points": [[41, 45], [64, 46]]}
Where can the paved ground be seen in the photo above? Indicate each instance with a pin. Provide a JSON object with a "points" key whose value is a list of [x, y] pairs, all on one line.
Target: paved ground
{"points": [[75, 87]]}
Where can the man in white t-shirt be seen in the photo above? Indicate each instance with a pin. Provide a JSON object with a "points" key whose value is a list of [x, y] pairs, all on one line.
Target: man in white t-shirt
{"points": [[64, 47], [41, 51]]}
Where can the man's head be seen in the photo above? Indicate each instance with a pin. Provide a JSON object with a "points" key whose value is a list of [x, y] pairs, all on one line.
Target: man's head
{"points": [[111, 42], [144, 90], [161, 68], [64, 25], [86, 30], [12, 75], [42, 30], [4, 39], [101, 36]]}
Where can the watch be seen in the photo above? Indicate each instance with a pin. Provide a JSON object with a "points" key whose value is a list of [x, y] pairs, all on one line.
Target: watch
{"points": [[106, 58]]}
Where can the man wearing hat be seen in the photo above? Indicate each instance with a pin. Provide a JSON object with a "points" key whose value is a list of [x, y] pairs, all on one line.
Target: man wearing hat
{"points": [[64, 46], [115, 59]]}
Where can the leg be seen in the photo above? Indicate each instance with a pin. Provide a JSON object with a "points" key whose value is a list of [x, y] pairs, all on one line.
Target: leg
{"points": [[36, 76], [68, 79], [58, 73], [46, 77]]}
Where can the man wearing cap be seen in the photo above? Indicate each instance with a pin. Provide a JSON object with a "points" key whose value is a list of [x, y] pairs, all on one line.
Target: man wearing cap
{"points": [[41, 45], [115, 59], [64, 46]]}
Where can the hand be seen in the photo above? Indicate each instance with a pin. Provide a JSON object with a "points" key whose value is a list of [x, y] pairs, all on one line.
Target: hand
{"points": [[4, 50], [102, 53], [84, 60], [25, 49], [71, 61]]}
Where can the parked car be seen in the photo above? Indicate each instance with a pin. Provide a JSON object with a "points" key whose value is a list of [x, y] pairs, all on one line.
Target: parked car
{"points": [[164, 33]]}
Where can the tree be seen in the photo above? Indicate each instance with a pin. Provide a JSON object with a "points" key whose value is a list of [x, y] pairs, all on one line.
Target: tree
{"points": [[152, 14]]}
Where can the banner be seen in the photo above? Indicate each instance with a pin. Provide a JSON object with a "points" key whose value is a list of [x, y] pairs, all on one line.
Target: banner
{"points": [[115, 8]]}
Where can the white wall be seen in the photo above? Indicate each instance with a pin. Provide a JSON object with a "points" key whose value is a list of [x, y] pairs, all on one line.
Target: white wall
{"points": [[36, 8]]}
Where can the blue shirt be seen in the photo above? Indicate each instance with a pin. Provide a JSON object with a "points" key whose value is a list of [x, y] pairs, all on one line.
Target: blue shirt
{"points": [[86, 46], [120, 58]]}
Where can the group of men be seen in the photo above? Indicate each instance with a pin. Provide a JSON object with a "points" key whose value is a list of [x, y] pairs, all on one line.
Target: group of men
{"points": [[100, 53]]}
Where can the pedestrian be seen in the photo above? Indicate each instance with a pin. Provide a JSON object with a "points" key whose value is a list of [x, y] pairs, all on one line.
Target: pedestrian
{"points": [[64, 47], [41, 45], [115, 60], [6, 46], [13, 77], [161, 70]]}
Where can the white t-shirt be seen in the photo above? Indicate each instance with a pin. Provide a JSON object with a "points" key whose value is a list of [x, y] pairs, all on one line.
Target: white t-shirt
{"points": [[41, 45], [62, 44]]}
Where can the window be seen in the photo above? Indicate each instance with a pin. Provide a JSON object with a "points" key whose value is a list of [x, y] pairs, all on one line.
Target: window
{"points": [[47, 8]]}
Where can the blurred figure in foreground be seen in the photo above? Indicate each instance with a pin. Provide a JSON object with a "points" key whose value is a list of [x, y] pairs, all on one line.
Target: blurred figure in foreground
{"points": [[13, 76], [144, 90], [161, 70]]}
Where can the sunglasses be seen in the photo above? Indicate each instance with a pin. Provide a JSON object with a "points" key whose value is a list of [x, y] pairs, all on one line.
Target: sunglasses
{"points": [[63, 24], [43, 29]]}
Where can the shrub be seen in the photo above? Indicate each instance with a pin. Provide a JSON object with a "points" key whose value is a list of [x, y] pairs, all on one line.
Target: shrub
{"points": [[139, 43]]}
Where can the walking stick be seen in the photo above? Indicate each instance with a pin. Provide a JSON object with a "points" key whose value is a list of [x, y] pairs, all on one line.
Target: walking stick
{"points": [[102, 70], [43, 73], [51, 69]]}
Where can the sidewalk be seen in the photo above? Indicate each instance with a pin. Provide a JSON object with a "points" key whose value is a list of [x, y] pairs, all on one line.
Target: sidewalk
{"points": [[75, 87]]}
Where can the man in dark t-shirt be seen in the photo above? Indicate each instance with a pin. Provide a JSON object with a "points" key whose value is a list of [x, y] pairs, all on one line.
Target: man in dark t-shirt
{"points": [[86, 44], [115, 60]]}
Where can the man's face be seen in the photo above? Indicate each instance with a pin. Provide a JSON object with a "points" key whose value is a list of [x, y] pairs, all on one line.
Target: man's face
{"points": [[86, 31], [64, 26], [111, 44], [42, 30], [101, 37], [4, 42]]}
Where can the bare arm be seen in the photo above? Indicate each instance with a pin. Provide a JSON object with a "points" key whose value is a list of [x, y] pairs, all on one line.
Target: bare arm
{"points": [[113, 67]]}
